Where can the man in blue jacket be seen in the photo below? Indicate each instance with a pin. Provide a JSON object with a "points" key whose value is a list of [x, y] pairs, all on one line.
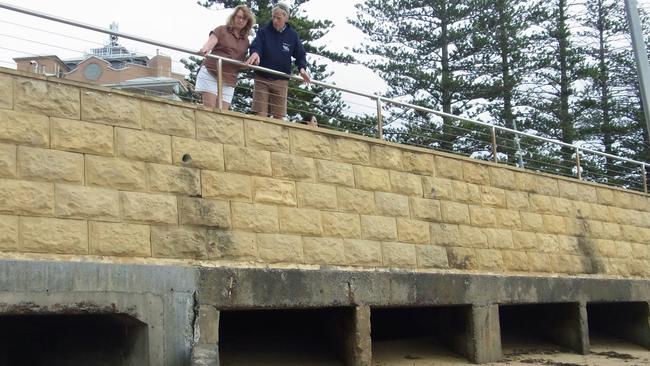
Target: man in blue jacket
{"points": [[273, 47]]}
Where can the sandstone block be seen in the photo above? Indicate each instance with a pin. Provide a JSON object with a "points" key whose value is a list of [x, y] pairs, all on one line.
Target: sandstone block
{"points": [[179, 242], [476, 173], [273, 248], [438, 188], [266, 136], [473, 237], [524, 240], [307, 143], [50, 165], [81, 202], [417, 163], [204, 212], [232, 245], [228, 186], [300, 221], [464, 192], [541, 204], [462, 258], [168, 119], [570, 245], [220, 128], [115, 173], [347, 150], [482, 216], [489, 259], [577, 191], [341, 225], [539, 262], [119, 239], [390, 204], [44, 235], [455, 213], [554, 224], [204, 154], [386, 157], [532, 222], [413, 231], [499, 239], [26, 198], [372, 179], [494, 197], [594, 229], [149, 208], [8, 161], [534, 183], [318, 196], [82, 137], [425, 209], [583, 210], [276, 191], [611, 248], [605, 196], [24, 128], [8, 232], [517, 200], [602, 213], [255, 217], [335, 173], [445, 234], [564, 207], [514, 260], [503, 178], [508, 219], [378, 228], [356, 200], [6, 92], [399, 255], [362, 252], [326, 251], [431, 256], [639, 251], [144, 146], [245, 160], [449, 168], [111, 109], [293, 167], [49, 98], [173, 179], [405, 183]]}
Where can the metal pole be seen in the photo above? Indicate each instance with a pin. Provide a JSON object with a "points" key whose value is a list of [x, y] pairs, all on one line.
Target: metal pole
{"points": [[579, 170], [641, 55], [220, 84], [494, 145], [380, 123], [645, 179]]}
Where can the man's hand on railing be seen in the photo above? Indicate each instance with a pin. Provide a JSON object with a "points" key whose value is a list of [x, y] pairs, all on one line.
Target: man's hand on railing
{"points": [[254, 59], [305, 76]]}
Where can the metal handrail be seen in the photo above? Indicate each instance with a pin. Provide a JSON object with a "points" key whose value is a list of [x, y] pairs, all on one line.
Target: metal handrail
{"points": [[379, 99]]}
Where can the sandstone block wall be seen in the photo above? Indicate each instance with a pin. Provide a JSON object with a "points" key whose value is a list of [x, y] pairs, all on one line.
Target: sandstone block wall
{"points": [[88, 171]]}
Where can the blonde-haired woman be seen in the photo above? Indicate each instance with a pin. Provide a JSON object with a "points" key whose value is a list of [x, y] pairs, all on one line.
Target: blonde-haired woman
{"points": [[231, 41]]}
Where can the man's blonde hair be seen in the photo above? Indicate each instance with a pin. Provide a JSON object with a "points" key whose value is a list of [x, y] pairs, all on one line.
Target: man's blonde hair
{"points": [[248, 14], [283, 7]]}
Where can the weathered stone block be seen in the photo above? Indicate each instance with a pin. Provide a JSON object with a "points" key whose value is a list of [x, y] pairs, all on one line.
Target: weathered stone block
{"points": [[472, 237], [405, 183], [413, 231], [276, 191], [115, 173], [26, 198], [356, 200], [476, 173], [399, 255], [293, 167], [489, 259], [541, 204], [539, 262], [50, 165], [605, 196], [386, 157], [318, 196], [266, 136], [245, 160], [111, 109], [425, 209], [149, 208], [532, 222], [495, 197], [445, 234], [514, 260], [204, 212], [564, 207], [378, 228], [179, 242], [508, 219], [8, 232], [569, 245], [81, 202], [49, 98], [554, 224], [44, 235], [6, 92], [524, 240], [273, 248], [82, 137], [372, 179], [24, 128], [256, 218], [462, 258], [324, 251], [390, 204], [449, 168], [233, 245], [455, 213], [583, 210], [335, 173], [228, 186], [639, 251], [431, 256], [611, 248], [220, 128], [503, 178], [8, 161], [362, 252], [168, 119], [465, 192], [499, 239], [517, 200], [438, 188], [535, 183], [482, 216], [307, 143], [174, 179], [300, 221], [341, 225], [577, 191], [352, 151], [119, 239], [144, 146], [417, 163], [202, 154], [602, 213]]}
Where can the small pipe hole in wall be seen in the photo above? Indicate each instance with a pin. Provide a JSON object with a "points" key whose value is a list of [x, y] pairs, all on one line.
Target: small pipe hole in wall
{"points": [[187, 158]]}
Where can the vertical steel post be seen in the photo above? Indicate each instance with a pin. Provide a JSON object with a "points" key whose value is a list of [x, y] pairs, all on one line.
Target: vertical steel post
{"points": [[220, 86], [641, 55], [645, 178], [579, 170], [494, 144], [380, 123]]}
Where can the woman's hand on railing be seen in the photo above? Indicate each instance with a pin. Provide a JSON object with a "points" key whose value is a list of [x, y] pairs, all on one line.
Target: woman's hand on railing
{"points": [[254, 59], [305, 76]]}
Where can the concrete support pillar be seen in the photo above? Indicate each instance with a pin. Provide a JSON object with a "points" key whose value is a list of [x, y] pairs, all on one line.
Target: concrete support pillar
{"points": [[206, 337], [358, 345], [568, 327], [484, 343]]}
